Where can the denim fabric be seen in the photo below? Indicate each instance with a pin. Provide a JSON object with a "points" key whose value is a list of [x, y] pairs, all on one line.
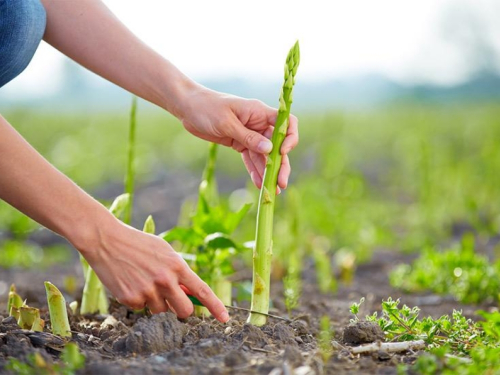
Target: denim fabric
{"points": [[22, 25]]}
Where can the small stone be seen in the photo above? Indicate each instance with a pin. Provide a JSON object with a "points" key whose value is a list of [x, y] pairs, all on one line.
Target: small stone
{"points": [[159, 359], [383, 355], [227, 331]]}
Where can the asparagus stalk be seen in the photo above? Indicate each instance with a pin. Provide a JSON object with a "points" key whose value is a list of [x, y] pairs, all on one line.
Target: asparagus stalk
{"points": [[94, 297], [15, 301], [57, 309], [208, 194], [129, 177], [149, 225], [29, 318], [263, 249]]}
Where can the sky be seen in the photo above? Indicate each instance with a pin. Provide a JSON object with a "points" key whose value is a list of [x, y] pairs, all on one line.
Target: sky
{"points": [[427, 41]]}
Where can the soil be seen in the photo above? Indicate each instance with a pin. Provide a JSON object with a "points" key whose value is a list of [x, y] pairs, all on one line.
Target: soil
{"points": [[129, 343]]}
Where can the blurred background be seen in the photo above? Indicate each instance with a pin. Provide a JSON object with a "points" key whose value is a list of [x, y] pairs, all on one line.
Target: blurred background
{"points": [[398, 105]]}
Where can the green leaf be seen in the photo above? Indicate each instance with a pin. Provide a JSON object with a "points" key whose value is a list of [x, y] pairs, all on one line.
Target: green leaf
{"points": [[219, 241], [187, 236]]}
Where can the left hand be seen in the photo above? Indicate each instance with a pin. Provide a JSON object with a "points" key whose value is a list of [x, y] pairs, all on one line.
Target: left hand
{"points": [[243, 124]]}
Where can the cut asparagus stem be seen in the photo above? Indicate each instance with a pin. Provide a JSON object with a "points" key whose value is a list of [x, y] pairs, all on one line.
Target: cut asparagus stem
{"points": [[14, 300], [57, 309], [263, 249]]}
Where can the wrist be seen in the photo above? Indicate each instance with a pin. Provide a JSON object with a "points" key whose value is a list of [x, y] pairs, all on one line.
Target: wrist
{"points": [[175, 91], [88, 232]]}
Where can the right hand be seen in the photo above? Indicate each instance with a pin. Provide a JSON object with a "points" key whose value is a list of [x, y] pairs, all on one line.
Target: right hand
{"points": [[141, 270]]}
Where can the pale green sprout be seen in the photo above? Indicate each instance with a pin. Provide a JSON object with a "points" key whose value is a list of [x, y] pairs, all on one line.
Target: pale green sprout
{"points": [[57, 309]]}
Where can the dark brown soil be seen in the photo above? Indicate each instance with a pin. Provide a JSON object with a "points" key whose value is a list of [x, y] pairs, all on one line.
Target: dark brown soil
{"points": [[135, 344]]}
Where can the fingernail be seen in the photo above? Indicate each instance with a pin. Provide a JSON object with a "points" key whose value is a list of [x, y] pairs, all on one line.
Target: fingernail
{"points": [[224, 317], [265, 147], [252, 177]]}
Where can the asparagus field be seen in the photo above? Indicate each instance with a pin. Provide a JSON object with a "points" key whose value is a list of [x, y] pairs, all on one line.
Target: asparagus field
{"points": [[386, 246]]}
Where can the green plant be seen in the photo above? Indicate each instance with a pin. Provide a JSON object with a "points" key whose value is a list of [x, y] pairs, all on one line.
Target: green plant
{"points": [[94, 298], [455, 344], [57, 308], [14, 300], [206, 243], [325, 277], [130, 174], [263, 250], [460, 271], [325, 338], [72, 361]]}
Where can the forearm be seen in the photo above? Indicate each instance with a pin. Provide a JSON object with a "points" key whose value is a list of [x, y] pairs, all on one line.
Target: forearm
{"points": [[30, 184], [90, 34]]}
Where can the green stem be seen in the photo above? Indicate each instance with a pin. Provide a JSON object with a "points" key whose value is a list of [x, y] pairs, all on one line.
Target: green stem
{"points": [[94, 297], [263, 250], [208, 195], [57, 309], [223, 289], [129, 178]]}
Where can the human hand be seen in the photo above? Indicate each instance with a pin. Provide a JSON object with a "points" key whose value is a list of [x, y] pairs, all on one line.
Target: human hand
{"points": [[142, 270], [243, 124]]}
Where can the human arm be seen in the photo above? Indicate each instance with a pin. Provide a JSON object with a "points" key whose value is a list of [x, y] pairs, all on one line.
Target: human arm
{"points": [[139, 269], [90, 34]]}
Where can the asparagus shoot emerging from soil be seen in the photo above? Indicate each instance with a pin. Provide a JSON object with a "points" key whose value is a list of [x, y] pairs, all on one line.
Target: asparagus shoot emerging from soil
{"points": [[57, 309], [129, 177], [15, 301], [264, 233], [29, 318], [94, 297], [149, 225]]}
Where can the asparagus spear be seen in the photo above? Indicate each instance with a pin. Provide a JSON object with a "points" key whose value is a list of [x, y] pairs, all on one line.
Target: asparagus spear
{"points": [[57, 309], [263, 249]]}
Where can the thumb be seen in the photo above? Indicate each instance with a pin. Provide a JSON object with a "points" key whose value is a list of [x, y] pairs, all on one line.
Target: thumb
{"points": [[252, 140]]}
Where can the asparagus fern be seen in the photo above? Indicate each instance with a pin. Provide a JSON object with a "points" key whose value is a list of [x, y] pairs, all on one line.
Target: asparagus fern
{"points": [[262, 254]]}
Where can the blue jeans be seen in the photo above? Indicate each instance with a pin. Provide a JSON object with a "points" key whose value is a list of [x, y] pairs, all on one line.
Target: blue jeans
{"points": [[22, 25]]}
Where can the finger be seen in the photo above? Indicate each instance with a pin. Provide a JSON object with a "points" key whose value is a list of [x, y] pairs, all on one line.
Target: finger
{"points": [[250, 139], [284, 173], [179, 302], [269, 132], [292, 136], [259, 161], [205, 295], [252, 170], [157, 305]]}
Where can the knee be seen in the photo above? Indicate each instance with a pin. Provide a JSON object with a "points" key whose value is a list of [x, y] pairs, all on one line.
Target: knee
{"points": [[22, 25]]}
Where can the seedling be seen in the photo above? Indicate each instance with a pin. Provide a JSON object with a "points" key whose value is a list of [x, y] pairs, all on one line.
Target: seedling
{"points": [[130, 174], [14, 301], [57, 308], [263, 250], [460, 271], [207, 244], [94, 298]]}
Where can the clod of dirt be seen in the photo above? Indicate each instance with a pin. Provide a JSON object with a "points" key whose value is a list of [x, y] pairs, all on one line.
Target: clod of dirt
{"points": [[362, 333], [251, 335], [235, 358], [161, 332], [293, 356]]}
